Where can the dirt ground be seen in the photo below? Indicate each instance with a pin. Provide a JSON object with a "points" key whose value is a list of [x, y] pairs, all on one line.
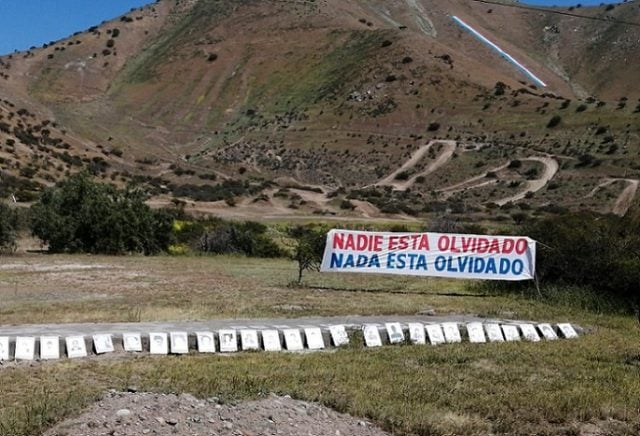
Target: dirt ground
{"points": [[136, 413]]}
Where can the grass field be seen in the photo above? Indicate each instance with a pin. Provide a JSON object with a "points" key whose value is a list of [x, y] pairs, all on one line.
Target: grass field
{"points": [[566, 387]]}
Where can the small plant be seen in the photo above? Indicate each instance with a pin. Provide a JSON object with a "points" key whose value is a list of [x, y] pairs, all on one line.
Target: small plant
{"points": [[554, 121]]}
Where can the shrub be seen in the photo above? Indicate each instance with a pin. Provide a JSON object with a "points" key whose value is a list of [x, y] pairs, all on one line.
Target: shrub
{"points": [[433, 127], [248, 238], [80, 215], [309, 247], [554, 121], [8, 228]]}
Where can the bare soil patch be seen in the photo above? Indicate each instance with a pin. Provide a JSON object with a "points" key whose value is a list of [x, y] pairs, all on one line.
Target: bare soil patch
{"points": [[126, 413]]}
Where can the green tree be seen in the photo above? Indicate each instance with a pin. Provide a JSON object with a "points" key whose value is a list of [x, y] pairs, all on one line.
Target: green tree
{"points": [[309, 247], [8, 227], [80, 215]]}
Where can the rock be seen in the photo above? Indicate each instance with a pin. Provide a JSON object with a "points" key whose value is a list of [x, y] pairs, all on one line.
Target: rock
{"points": [[171, 421], [132, 389], [160, 420], [427, 312], [123, 413]]}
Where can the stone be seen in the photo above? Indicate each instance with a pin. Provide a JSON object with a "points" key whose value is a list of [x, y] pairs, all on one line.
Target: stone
{"points": [[339, 335], [371, 336], [132, 342], [76, 347], [567, 331], [315, 341], [49, 347], [206, 343], [25, 348], [4, 348], [476, 333], [103, 343], [529, 332], [547, 331], [158, 343], [292, 339], [435, 334], [123, 413], [451, 332], [171, 421], [510, 332], [179, 342], [271, 340], [494, 332], [249, 340], [395, 333], [417, 333]]}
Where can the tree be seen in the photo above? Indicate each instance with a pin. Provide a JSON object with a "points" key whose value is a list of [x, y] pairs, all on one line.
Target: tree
{"points": [[309, 248], [8, 226], [80, 215]]}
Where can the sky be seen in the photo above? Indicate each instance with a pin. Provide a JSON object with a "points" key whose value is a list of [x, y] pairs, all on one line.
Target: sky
{"points": [[26, 23]]}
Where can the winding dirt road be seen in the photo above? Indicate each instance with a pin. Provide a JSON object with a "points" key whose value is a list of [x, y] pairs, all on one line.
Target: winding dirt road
{"points": [[550, 169]]}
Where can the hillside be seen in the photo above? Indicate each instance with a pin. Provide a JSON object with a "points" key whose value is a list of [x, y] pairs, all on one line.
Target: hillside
{"points": [[354, 108]]}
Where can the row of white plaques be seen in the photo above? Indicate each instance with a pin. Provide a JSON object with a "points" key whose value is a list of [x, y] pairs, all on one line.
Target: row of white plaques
{"points": [[178, 342]]}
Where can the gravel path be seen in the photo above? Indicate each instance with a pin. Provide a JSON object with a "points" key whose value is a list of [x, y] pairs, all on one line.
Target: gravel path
{"points": [[126, 413]]}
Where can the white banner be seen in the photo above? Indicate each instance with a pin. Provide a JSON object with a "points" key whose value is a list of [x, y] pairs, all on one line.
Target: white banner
{"points": [[431, 254]]}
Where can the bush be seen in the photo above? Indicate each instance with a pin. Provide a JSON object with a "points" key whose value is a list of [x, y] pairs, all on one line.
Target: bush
{"points": [[8, 228], [80, 215], [309, 247], [554, 121], [247, 238]]}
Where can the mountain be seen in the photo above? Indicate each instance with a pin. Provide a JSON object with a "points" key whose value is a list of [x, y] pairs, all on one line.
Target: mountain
{"points": [[357, 108]]}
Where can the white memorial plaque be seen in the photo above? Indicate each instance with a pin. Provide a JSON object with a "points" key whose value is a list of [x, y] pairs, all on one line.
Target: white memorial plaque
{"points": [[4, 348], [567, 331], [131, 342], [49, 347], [476, 333], [271, 340], [179, 342], [416, 333], [339, 335], [206, 343], [228, 341], [529, 332], [394, 331], [494, 332], [76, 346], [158, 343], [315, 341], [292, 339], [548, 332], [372, 336], [25, 347], [451, 332], [249, 340], [510, 332], [103, 344], [436, 336]]}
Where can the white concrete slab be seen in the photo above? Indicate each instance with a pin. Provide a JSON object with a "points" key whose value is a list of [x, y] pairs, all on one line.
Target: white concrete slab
{"points": [[567, 331], [249, 339], [293, 339], [206, 342], [510, 332], [372, 336], [131, 342], [395, 333], [529, 332], [228, 340], [4, 348], [103, 343], [435, 334], [315, 341], [271, 340], [547, 331], [476, 333], [25, 348], [158, 343], [417, 333], [339, 335], [494, 332], [76, 347], [179, 342], [451, 332], [49, 347]]}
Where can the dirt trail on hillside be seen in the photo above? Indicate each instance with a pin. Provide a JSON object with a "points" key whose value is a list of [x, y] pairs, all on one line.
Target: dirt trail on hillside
{"points": [[625, 199], [444, 157], [471, 183], [550, 169]]}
